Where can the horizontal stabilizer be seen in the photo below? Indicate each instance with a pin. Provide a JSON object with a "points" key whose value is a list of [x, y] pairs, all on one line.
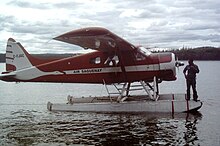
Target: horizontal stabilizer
{"points": [[6, 75]]}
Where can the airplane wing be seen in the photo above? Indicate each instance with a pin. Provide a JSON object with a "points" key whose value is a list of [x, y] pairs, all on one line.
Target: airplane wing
{"points": [[96, 38]]}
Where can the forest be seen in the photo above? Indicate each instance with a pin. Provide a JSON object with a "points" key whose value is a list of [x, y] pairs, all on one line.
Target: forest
{"points": [[200, 53]]}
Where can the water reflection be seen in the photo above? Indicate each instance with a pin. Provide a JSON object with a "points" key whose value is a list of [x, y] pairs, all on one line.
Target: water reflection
{"points": [[190, 135], [26, 127]]}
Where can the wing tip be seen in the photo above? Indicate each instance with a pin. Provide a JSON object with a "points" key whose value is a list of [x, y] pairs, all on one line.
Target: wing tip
{"points": [[83, 32], [11, 40]]}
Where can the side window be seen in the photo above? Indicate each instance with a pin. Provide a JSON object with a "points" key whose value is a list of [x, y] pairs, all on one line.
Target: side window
{"points": [[96, 60]]}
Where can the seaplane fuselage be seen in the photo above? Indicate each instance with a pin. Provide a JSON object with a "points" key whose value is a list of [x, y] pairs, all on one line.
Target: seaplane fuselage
{"points": [[115, 65]]}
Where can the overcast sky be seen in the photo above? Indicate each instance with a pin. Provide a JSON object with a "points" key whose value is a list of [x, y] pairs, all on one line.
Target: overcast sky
{"points": [[151, 23]]}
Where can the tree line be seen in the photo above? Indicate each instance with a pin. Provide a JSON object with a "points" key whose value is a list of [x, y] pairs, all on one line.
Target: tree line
{"points": [[200, 53]]}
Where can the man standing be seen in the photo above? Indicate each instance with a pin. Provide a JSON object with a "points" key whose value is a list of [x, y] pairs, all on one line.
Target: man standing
{"points": [[190, 72]]}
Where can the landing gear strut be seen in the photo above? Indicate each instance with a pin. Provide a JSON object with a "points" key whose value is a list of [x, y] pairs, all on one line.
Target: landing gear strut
{"points": [[122, 93]]}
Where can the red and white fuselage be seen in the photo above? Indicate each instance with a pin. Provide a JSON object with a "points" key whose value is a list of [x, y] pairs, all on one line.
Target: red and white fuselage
{"points": [[113, 65]]}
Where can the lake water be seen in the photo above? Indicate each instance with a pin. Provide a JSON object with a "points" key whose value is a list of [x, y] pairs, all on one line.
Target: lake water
{"points": [[25, 120]]}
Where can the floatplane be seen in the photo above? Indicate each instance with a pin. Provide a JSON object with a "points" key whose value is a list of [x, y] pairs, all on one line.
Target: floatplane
{"points": [[114, 62]]}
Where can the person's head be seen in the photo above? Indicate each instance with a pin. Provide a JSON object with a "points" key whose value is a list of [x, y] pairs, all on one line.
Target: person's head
{"points": [[190, 61]]}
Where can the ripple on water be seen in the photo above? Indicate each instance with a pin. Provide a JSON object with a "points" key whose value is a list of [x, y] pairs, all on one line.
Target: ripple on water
{"points": [[27, 127]]}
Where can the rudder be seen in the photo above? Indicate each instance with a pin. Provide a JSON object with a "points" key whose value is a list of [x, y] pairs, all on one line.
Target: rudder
{"points": [[17, 57]]}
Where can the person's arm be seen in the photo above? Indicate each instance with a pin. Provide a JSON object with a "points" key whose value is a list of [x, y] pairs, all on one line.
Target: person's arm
{"points": [[184, 71], [195, 68]]}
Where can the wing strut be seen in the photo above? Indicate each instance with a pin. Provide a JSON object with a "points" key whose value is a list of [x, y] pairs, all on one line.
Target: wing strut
{"points": [[122, 65], [109, 94]]}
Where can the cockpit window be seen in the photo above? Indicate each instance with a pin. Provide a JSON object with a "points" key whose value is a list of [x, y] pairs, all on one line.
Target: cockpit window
{"points": [[144, 51], [140, 56]]}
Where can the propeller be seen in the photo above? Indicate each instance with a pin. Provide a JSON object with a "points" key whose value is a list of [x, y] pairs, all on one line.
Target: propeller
{"points": [[178, 63]]}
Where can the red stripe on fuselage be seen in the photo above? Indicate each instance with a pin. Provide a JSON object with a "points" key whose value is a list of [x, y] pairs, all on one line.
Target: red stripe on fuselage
{"points": [[97, 77]]}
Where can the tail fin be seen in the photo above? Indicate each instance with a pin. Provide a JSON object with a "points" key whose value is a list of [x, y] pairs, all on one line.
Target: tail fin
{"points": [[17, 57]]}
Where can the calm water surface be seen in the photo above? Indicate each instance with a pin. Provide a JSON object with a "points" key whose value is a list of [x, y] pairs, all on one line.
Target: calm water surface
{"points": [[24, 119]]}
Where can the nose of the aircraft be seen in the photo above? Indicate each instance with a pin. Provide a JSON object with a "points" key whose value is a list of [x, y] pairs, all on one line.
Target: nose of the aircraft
{"points": [[167, 66]]}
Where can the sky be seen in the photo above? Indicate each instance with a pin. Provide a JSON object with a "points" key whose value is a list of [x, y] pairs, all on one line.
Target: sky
{"points": [[150, 23]]}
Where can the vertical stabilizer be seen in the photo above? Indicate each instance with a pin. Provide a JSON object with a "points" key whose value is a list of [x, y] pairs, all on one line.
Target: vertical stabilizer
{"points": [[17, 57]]}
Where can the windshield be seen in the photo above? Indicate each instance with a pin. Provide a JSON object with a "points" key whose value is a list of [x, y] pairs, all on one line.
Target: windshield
{"points": [[144, 51]]}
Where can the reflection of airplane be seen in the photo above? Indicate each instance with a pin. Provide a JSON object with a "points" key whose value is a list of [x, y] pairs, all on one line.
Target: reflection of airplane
{"points": [[114, 61]]}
